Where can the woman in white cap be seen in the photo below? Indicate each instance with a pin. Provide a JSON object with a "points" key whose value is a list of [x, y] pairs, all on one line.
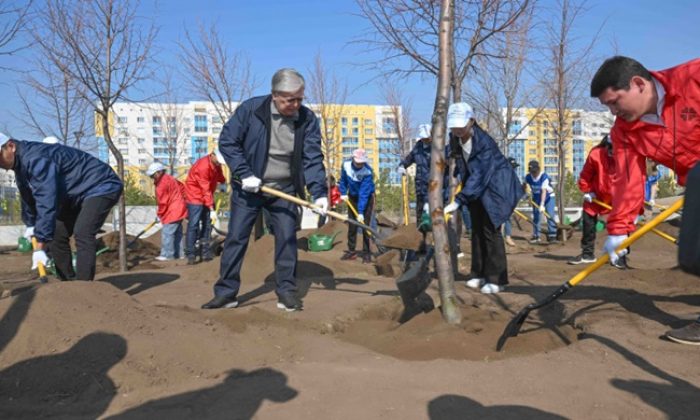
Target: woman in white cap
{"points": [[357, 187], [491, 190], [172, 210]]}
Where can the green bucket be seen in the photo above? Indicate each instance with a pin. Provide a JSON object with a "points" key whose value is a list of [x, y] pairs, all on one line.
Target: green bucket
{"points": [[600, 226], [319, 243], [23, 244], [426, 223]]}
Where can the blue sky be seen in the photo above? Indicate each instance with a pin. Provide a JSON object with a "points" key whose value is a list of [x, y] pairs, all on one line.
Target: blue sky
{"points": [[277, 33]]}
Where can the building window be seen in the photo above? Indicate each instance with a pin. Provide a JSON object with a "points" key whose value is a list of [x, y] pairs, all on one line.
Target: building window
{"points": [[344, 121], [140, 120], [142, 151], [355, 131], [368, 131], [141, 140], [156, 121], [368, 122], [355, 121], [344, 131], [122, 120], [200, 124]]}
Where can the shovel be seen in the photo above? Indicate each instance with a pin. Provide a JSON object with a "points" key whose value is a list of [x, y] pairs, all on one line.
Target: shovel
{"points": [[304, 203], [513, 327], [354, 211], [548, 216], [656, 231], [404, 197], [146, 229]]}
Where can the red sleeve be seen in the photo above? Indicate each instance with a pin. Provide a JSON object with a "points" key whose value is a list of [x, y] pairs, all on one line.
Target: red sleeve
{"points": [[161, 199], [627, 185]]}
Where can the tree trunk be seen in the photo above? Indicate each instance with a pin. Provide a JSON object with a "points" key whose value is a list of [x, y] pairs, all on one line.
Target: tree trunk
{"points": [[122, 202], [448, 300]]}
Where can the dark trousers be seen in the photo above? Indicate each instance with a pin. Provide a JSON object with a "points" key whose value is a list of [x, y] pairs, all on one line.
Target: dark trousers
{"points": [[198, 229], [282, 219], [488, 250], [352, 229], [588, 235], [420, 203], [83, 222]]}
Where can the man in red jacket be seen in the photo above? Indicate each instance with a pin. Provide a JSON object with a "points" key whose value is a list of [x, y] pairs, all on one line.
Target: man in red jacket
{"points": [[594, 182], [172, 210], [204, 176], [658, 117]]}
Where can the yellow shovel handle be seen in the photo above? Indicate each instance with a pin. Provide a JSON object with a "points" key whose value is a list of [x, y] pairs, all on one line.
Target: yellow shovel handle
{"points": [[42, 269], [656, 231], [627, 242]]}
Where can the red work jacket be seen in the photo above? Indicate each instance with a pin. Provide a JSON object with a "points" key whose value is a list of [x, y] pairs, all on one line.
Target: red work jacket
{"points": [[201, 182], [676, 144], [170, 195], [595, 177]]}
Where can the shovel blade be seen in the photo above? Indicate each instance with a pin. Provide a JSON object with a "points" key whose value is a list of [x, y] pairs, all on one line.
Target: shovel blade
{"points": [[513, 327]]}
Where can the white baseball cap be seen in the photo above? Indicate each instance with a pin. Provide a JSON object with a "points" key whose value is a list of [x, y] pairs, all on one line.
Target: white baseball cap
{"points": [[3, 139], [50, 140], [359, 155], [219, 156], [459, 115], [424, 131], [154, 167]]}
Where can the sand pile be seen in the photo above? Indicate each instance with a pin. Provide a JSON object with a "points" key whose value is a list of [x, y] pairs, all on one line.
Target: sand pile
{"points": [[404, 237], [142, 251], [97, 341]]}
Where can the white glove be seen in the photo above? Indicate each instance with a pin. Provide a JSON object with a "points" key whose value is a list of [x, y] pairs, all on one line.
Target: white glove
{"points": [[343, 198], [542, 209], [426, 208], [652, 203], [451, 208], [251, 184], [321, 202], [589, 197], [611, 244], [39, 256], [402, 171], [29, 232], [361, 218]]}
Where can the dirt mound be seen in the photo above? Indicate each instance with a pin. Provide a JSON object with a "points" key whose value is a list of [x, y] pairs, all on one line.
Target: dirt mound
{"points": [[140, 252], [404, 237], [428, 337], [331, 227]]}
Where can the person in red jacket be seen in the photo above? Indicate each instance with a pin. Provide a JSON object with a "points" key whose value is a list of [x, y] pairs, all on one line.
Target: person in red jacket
{"points": [[594, 183], [172, 210], [658, 117], [335, 199], [204, 176]]}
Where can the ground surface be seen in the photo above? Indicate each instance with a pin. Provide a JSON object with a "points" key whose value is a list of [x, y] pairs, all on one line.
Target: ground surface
{"points": [[137, 345]]}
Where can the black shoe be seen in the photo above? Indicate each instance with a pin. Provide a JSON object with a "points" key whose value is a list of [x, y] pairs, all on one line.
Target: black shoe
{"points": [[581, 259], [289, 302], [207, 258], [690, 334], [552, 239], [348, 255], [621, 263], [221, 302], [366, 258], [191, 261]]}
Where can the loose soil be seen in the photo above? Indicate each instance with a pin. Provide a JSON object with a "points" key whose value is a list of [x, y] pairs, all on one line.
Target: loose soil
{"points": [[136, 345]]}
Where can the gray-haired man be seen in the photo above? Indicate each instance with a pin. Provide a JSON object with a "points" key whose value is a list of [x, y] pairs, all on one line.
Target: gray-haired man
{"points": [[271, 140]]}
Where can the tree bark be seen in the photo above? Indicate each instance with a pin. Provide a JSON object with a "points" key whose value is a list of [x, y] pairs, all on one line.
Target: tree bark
{"points": [[448, 300]]}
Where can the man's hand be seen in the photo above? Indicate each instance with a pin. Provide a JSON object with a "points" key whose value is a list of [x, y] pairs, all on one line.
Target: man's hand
{"points": [[451, 208], [251, 184], [39, 256], [322, 204], [402, 170], [611, 244], [361, 219], [542, 209], [588, 197], [29, 232], [344, 198], [426, 208]]}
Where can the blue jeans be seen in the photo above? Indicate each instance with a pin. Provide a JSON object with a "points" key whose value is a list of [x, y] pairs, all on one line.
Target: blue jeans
{"points": [[282, 214], [551, 224], [171, 240], [507, 228], [466, 218], [198, 229]]}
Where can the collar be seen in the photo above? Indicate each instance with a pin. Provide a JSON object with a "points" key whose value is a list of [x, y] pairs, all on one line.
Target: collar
{"points": [[661, 93]]}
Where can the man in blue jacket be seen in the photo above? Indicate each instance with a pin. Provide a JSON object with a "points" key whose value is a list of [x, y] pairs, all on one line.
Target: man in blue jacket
{"points": [[274, 140], [357, 187], [65, 192], [420, 155], [491, 189]]}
